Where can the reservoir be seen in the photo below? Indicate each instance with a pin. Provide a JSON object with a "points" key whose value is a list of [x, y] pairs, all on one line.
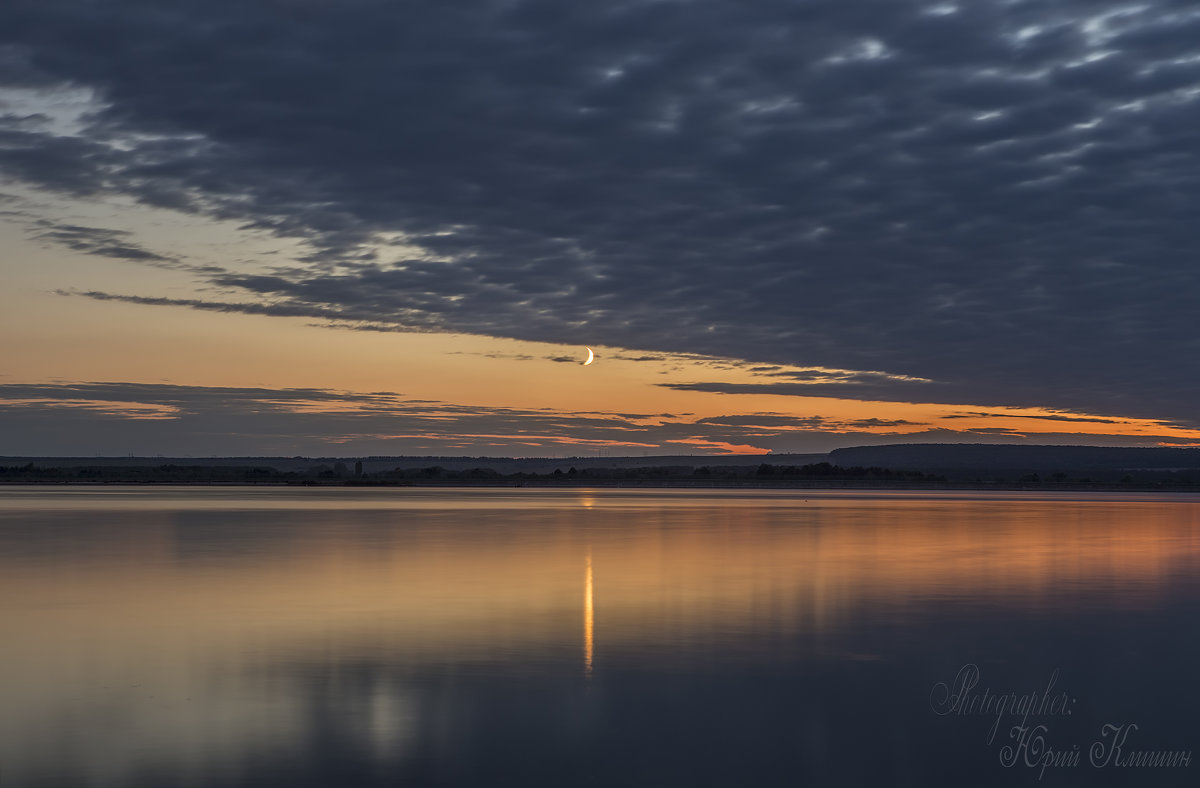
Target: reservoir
{"points": [[277, 636]]}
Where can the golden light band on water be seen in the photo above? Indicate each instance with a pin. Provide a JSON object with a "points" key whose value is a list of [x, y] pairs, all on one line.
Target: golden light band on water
{"points": [[687, 573], [589, 621]]}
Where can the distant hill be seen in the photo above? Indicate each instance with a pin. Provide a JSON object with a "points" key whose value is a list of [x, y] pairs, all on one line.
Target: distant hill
{"points": [[985, 460], [503, 465], [963, 464]]}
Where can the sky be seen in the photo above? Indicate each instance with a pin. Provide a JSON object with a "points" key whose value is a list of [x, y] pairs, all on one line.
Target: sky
{"points": [[372, 227]]}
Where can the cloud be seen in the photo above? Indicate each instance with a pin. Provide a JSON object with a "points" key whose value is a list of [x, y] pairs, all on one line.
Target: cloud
{"points": [[767, 421], [276, 310], [998, 198], [641, 358], [820, 388], [506, 356], [80, 418], [113, 418], [876, 422], [1045, 417], [102, 243]]}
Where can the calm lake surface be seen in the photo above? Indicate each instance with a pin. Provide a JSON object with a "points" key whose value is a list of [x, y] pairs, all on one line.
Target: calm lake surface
{"points": [[391, 637]]}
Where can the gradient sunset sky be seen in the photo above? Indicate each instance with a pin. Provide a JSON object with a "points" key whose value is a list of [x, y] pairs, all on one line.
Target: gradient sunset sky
{"points": [[379, 227]]}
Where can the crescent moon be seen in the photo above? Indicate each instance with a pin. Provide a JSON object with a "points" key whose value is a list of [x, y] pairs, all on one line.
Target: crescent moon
{"points": [[591, 357]]}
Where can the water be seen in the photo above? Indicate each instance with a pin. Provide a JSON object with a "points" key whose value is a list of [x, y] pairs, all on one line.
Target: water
{"points": [[313, 637]]}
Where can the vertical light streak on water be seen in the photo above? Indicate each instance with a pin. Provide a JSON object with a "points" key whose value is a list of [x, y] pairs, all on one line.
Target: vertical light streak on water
{"points": [[379, 637], [589, 620]]}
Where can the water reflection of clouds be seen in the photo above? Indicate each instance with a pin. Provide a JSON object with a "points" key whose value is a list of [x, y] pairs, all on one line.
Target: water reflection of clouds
{"points": [[158, 638]]}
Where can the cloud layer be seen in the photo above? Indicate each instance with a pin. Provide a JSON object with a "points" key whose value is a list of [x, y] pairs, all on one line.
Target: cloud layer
{"points": [[996, 196], [115, 419]]}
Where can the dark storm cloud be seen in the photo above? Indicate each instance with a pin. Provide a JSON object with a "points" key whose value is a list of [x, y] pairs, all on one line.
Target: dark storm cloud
{"points": [[998, 199]]}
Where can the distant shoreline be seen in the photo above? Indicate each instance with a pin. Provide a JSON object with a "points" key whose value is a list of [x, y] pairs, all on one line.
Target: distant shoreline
{"points": [[832, 485], [884, 467]]}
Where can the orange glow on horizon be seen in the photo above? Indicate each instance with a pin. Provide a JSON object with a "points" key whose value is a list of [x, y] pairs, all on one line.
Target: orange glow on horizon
{"points": [[458, 372]]}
